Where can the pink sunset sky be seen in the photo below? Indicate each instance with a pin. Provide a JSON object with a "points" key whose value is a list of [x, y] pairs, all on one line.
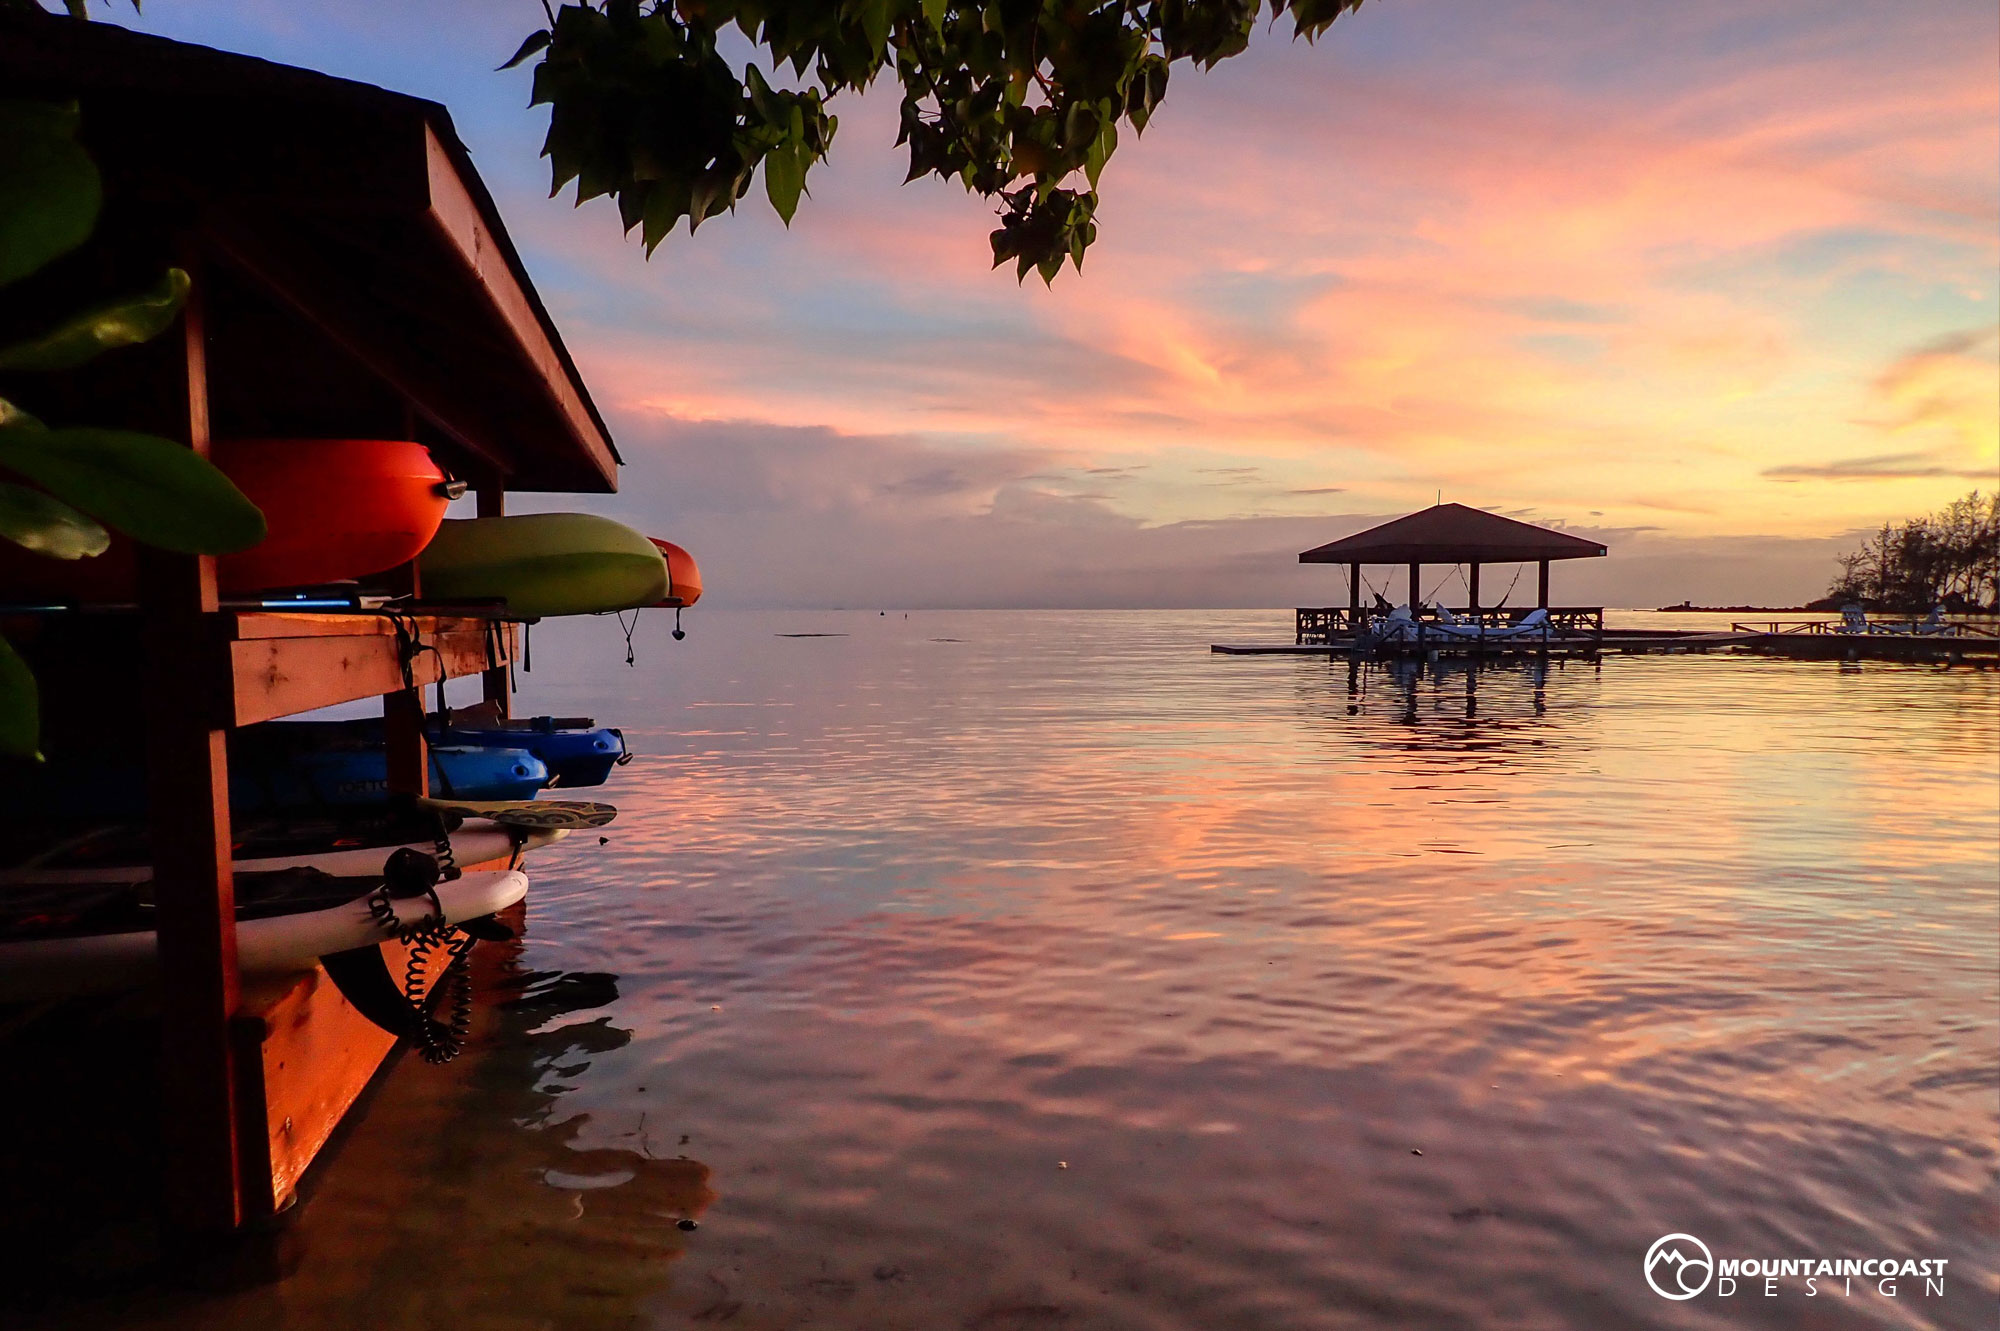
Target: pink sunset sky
{"points": [[1714, 282]]}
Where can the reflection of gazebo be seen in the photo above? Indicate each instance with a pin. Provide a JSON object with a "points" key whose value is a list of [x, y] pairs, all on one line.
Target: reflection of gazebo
{"points": [[1448, 534]]}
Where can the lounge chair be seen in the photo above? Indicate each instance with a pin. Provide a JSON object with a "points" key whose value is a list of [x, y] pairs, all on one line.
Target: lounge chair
{"points": [[1935, 626], [1534, 624], [1853, 619]]}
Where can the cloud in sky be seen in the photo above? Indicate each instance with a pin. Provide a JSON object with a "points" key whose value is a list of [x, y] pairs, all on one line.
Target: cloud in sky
{"points": [[1668, 267], [1881, 466]]}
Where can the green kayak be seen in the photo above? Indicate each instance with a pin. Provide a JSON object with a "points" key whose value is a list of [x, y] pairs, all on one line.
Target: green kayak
{"points": [[544, 564]]}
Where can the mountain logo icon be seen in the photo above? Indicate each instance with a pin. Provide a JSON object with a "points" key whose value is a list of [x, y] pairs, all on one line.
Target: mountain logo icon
{"points": [[1679, 1266]]}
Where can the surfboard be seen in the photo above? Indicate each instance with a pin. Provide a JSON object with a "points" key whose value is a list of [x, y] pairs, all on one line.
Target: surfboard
{"points": [[476, 841], [544, 564], [69, 939], [335, 509], [567, 814]]}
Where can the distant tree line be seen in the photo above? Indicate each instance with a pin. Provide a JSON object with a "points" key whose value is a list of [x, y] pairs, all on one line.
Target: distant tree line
{"points": [[1950, 558]]}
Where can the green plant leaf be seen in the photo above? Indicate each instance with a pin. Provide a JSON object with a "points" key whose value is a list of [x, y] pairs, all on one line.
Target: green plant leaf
{"points": [[48, 526], [13, 417], [49, 188], [154, 490], [20, 707], [784, 179], [536, 41], [118, 323]]}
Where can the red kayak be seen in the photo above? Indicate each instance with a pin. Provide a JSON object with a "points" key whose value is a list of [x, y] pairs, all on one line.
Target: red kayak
{"points": [[335, 509], [683, 577]]}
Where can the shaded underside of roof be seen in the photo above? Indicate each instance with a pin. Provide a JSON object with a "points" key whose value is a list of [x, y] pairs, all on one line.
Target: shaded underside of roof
{"points": [[1453, 534], [354, 254]]}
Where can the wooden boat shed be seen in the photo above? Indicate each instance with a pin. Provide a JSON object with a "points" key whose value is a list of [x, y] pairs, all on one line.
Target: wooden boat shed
{"points": [[352, 278], [1448, 534]]}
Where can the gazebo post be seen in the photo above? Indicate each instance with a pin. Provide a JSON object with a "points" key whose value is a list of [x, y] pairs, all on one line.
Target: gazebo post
{"points": [[1354, 597], [1543, 602], [1414, 587], [1472, 591]]}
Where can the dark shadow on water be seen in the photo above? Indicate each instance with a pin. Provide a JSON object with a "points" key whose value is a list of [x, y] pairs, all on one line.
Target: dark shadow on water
{"points": [[459, 1196]]}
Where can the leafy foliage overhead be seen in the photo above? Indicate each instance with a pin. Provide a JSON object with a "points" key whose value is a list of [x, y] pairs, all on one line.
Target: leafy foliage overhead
{"points": [[1020, 101]]}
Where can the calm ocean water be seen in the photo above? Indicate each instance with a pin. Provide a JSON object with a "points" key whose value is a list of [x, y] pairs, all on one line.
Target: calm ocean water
{"points": [[1041, 970]]}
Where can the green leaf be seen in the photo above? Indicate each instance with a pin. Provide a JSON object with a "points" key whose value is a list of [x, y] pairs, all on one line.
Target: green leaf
{"points": [[535, 42], [119, 323], [785, 179], [20, 707], [13, 417], [49, 188], [154, 490], [48, 526]]}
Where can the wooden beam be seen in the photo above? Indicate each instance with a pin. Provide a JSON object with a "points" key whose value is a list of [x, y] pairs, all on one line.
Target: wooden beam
{"points": [[457, 218], [188, 812], [1354, 586], [1543, 599], [496, 687], [1472, 589], [1415, 590], [280, 675]]}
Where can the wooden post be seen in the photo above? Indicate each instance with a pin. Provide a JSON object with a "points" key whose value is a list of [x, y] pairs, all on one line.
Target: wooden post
{"points": [[1543, 601], [1472, 591], [1354, 597], [187, 768], [1415, 590], [408, 757], [491, 502]]}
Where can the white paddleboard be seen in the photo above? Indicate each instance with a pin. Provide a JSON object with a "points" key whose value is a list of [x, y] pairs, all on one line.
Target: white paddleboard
{"points": [[98, 963], [477, 841]]}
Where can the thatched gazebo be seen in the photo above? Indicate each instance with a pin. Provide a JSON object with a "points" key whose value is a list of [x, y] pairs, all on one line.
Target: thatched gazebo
{"points": [[1450, 534]]}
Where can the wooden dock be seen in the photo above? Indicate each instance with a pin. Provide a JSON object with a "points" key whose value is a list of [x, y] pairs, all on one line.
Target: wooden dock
{"points": [[1964, 648], [1823, 640]]}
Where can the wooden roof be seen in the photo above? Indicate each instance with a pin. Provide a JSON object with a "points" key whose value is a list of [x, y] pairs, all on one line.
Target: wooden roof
{"points": [[1453, 534], [354, 257]]}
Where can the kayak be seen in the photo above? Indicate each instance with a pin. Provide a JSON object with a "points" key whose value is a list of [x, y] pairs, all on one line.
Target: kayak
{"points": [[335, 509], [575, 755], [295, 778], [576, 750], [265, 778], [78, 938], [543, 564], [683, 576]]}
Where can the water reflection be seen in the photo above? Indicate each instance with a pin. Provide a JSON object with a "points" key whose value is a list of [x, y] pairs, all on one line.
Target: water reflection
{"points": [[902, 926]]}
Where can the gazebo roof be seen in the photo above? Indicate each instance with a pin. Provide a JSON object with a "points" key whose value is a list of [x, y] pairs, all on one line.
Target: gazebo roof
{"points": [[1453, 534]]}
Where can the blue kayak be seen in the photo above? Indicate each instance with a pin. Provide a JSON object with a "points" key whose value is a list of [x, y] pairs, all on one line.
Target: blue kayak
{"points": [[576, 752], [360, 775]]}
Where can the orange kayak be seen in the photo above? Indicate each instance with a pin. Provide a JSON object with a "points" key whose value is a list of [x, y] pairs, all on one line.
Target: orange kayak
{"points": [[683, 577], [335, 509]]}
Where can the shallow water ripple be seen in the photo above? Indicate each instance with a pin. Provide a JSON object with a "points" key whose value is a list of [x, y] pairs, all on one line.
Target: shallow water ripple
{"points": [[1064, 975]]}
